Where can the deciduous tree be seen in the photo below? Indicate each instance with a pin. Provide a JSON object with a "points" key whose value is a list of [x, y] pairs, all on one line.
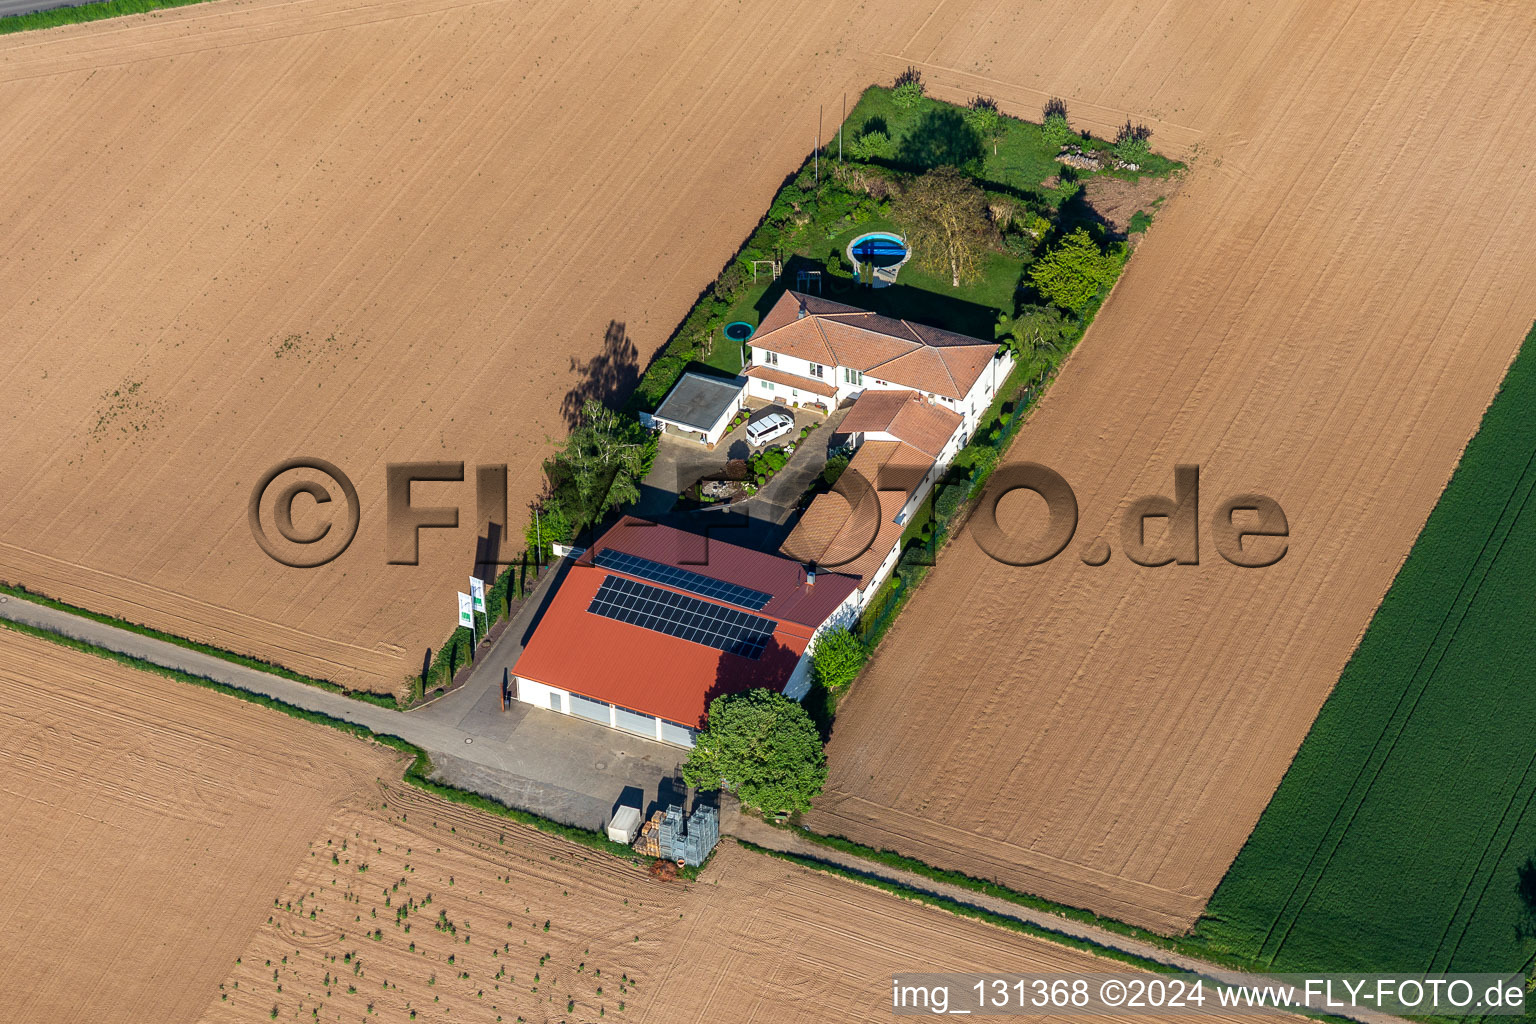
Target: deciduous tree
{"points": [[1075, 271], [948, 229], [763, 747]]}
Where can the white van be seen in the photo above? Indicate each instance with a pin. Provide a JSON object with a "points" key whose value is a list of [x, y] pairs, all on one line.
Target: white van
{"points": [[775, 424]]}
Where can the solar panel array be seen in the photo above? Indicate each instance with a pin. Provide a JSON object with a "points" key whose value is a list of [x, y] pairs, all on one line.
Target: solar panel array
{"points": [[682, 579], [687, 618]]}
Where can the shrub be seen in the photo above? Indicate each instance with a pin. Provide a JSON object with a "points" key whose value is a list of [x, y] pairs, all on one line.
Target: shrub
{"points": [[763, 747], [872, 144], [1132, 145], [1076, 271], [986, 120], [837, 658], [909, 88], [834, 467], [548, 523], [1140, 221], [1054, 125], [730, 282]]}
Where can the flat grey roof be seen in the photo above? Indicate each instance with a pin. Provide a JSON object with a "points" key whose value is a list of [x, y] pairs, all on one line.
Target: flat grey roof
{"points": [[698, 401]]}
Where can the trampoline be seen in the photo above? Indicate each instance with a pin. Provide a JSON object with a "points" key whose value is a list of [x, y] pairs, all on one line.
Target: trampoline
{"points": [[738, 330]]}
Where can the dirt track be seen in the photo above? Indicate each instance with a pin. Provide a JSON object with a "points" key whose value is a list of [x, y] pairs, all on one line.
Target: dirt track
{"points": [[147, 824], [1320, 315]]}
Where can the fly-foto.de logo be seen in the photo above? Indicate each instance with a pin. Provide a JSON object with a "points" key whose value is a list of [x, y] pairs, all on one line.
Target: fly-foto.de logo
{"points": [[1248, 530]]}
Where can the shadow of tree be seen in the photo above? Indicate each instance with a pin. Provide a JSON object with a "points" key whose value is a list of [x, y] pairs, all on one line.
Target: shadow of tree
{"points": [[1525, 890], [942, 138], [609, 376]]}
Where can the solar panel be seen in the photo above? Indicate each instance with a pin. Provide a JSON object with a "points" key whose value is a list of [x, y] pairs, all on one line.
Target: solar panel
{"points": [[682, 579], [687, 618]]}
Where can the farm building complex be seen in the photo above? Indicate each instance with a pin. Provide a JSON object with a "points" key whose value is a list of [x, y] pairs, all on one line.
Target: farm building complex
{"points": [[651, 623]]}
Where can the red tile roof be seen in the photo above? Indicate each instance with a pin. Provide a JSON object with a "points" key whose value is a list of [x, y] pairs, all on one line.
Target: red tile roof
{"points": [[908, 354], [906, 416], [646, 671], [853, 528], [792, 380]]}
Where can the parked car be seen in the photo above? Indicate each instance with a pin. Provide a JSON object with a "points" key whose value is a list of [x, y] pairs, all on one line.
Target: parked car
{"points": [[775, 424]]}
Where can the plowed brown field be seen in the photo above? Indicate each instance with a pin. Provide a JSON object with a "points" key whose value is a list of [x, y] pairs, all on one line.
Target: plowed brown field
{"points": [[1320, 315], [369, 231], [146, 825], [384, 231], [754, 940]]}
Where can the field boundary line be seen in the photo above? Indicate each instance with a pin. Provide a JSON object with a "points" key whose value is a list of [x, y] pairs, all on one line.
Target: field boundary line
{"points": [[1050, 928], [1400, 717]]}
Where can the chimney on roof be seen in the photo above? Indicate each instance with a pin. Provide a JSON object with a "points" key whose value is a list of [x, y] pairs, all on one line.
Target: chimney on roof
{"points": [[810, 576]]}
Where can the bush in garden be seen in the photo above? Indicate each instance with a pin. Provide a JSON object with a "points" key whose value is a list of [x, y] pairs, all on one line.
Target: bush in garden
{"points": [[1054, 124], [909, 88]]}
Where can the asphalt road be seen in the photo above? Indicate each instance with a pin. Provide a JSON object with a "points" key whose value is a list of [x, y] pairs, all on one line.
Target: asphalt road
{"points": [[563, 768], [8, 7]]}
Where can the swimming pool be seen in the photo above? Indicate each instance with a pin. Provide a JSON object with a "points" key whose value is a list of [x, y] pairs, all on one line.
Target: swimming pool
{"points": [[879, 250]]}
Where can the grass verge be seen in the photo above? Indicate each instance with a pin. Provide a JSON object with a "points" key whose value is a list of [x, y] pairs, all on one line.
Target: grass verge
{"points": [[417, 774], [379, 699], [85, 12], [960, 909]]}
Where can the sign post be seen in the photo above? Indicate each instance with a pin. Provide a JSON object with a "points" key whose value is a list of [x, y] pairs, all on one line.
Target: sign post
{"points": [[477, 593], [467, 618]]}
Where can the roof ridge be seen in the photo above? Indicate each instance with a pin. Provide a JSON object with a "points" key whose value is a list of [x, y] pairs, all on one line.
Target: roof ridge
{"points": [[816, 319]]}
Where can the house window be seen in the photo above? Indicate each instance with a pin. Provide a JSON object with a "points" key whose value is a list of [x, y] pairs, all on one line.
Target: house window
{"points": [[767, 385], [818, 371], [770, 358], [852, 376]]}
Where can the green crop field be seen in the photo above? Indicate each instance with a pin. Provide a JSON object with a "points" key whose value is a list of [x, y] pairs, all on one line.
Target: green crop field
{"points": [[1403, 836]]}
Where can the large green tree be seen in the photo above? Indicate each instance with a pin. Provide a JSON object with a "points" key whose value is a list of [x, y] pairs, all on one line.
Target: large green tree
{"points": [[763, 747], [1076, 271], [947, 224], [603, 459]]}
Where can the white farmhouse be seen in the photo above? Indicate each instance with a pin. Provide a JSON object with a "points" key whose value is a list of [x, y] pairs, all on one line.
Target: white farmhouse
{"points": [[811, 351]]}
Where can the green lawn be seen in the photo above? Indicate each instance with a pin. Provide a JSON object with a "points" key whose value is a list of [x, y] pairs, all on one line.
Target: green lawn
{"points": [[972, 308], [1022, 158], [1402, 837]]}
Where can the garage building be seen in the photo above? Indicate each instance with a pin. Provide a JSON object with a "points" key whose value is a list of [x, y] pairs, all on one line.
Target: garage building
{"points": [[651, 623]]}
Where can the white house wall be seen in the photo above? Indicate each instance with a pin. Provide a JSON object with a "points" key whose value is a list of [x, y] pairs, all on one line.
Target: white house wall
{"points": [[538, 695]]}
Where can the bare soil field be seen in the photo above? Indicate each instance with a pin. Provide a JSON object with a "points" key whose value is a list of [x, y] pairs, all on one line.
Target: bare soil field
{"points": [[147, 824], [369, 231], [1320, 315], [459, 919]]}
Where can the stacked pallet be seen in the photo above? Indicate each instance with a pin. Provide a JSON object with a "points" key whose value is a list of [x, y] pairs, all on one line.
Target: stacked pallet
{"points": [[649, 842]]}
